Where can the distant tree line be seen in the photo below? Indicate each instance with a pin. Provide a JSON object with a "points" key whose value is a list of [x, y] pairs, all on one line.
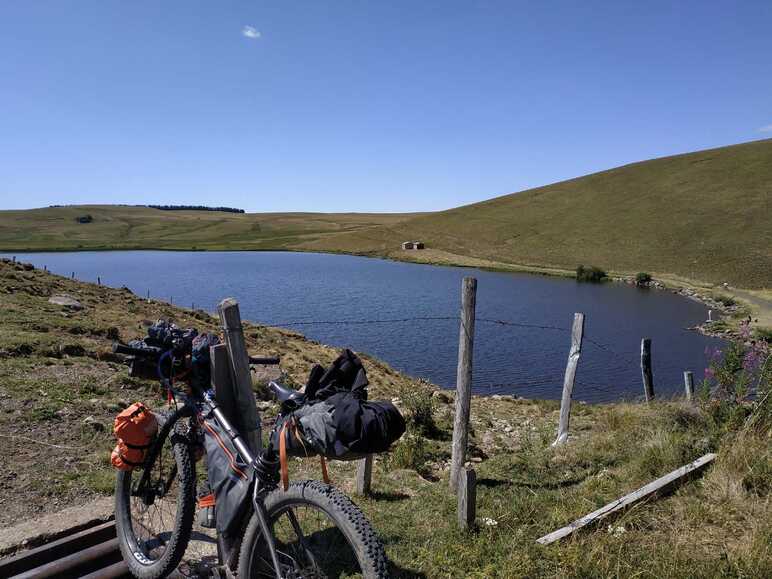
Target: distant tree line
{"points": [[175, 208], [194, 208]]}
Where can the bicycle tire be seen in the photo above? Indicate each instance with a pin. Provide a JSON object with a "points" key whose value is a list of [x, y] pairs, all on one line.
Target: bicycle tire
{"points": [[139, 564], [343, 513]]}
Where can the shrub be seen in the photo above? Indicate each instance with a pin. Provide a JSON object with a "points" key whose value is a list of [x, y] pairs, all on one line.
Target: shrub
{"points": [[738, 383], [419, 407], [410, 452], [590, 273], [84, 218], [725, 300], [642, 278]]}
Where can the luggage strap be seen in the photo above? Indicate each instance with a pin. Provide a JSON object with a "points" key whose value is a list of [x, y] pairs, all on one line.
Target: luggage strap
{"points": [[284, 466], [206, 501]]}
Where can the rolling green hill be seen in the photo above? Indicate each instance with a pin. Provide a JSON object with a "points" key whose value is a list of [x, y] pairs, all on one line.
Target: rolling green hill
{"points": [[704, 216], [122, 227]]}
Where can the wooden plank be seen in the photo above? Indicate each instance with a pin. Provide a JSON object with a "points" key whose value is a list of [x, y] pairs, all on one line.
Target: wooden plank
{"points": [[577, 331], [689, 385], [364, 475], [467, 499], [463, 379], [629, 499], [246, 405], [646, 373]]}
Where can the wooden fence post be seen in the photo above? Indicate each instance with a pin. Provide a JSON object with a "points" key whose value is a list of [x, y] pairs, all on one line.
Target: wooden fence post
{"points": [[230, 319], [648, 377], [689, 385], [463, 379], [467, 498], [222, 383], [577, 332], [364, 475]]}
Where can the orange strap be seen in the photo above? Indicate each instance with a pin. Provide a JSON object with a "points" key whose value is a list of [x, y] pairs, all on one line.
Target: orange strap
{"points": [[283, 457], [284, 467], [206, 501]]}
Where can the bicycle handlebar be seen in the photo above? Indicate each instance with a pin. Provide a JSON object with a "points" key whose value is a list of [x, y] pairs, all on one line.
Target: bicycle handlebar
{"points": [[268, 361], [155, 353], [149, 352]]}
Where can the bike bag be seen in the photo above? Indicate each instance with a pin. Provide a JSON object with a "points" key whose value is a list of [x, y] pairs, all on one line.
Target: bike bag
{"points": [[135, 427], [336, 420], [230, 480]]}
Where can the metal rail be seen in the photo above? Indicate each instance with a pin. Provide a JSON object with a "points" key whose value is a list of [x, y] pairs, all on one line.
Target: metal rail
{"points": [[91, 553]]}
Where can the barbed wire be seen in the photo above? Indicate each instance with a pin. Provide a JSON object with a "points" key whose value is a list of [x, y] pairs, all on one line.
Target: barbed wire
{"points": [[356, 322]]}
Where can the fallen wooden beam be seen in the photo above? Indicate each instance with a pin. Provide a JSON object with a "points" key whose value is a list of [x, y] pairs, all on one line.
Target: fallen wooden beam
{"points": [[629, 499]]}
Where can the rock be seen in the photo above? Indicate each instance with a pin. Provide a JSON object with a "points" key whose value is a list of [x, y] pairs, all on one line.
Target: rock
{"points": [[94, 423], [442, 397], [68, 302]]}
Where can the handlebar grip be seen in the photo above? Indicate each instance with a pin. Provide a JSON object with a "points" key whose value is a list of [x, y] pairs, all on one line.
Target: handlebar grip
{"points": [[268, 361]]}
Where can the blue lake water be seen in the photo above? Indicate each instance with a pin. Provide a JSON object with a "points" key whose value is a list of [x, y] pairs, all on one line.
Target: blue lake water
{"points": [[392, 309]]}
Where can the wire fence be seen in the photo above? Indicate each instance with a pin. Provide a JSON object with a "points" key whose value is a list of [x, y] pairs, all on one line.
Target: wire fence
{"points": [[616, 362]]}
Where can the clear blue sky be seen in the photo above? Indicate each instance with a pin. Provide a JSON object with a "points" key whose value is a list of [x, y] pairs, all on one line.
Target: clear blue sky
{"points": [[363, 105]]}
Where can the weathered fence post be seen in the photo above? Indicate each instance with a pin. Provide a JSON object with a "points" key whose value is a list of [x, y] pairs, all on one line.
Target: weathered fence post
{"points": [[577, 332], [648, 377], [364, 475], [230, 319], [467, 498], [463, 379], [222, 383], [689, 385]]}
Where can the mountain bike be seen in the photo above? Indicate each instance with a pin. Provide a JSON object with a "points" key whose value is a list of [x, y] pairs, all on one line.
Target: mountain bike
{"points": [[311, 530]]}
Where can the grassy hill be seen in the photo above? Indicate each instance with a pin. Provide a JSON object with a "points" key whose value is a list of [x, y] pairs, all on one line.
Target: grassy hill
{"points": [[120, 227], [704, 216]]}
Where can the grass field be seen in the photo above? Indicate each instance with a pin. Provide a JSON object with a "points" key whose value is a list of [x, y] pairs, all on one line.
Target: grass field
{"points": [[704, 217], [121, 227], [60, 387]]}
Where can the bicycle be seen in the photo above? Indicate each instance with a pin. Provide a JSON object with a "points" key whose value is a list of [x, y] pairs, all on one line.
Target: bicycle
{"points": [[155, 503]]}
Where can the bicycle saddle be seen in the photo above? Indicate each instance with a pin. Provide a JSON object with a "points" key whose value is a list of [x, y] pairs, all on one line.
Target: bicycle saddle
{"points": [[288, 397]]}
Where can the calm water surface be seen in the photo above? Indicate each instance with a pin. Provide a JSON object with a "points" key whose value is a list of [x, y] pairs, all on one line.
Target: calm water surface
{"points": [[298, 290]]}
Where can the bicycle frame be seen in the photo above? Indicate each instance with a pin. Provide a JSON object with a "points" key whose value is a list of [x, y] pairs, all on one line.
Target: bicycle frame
{"points": [[202, 404]]}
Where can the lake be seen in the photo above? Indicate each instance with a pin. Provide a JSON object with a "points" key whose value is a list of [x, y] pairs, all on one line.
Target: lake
{"points": [[406, 314]]}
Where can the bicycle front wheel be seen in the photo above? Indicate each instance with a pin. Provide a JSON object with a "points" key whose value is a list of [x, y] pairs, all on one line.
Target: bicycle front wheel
{"points": [[318, 532], [155, 505]]}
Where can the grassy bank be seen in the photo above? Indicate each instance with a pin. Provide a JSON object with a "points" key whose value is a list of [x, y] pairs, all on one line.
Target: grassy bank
{"points": [[60, 387]]}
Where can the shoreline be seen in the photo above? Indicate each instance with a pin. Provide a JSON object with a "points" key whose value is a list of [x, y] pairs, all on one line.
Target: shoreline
{"points": [[746, 304]]}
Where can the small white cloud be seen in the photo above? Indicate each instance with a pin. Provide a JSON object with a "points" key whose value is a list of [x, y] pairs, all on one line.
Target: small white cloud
{"points": [[767, 129], [250, 32]]}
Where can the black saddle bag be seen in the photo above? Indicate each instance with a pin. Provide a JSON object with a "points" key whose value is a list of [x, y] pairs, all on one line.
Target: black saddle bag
{"points": [[336, 420]]}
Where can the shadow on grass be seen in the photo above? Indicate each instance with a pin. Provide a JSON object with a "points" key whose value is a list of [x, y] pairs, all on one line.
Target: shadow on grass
{"points": [[388, 497]]}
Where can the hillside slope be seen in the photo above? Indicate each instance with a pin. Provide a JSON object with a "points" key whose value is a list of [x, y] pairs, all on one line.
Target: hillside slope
{"points": [[704, 216], [122, 227]]}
